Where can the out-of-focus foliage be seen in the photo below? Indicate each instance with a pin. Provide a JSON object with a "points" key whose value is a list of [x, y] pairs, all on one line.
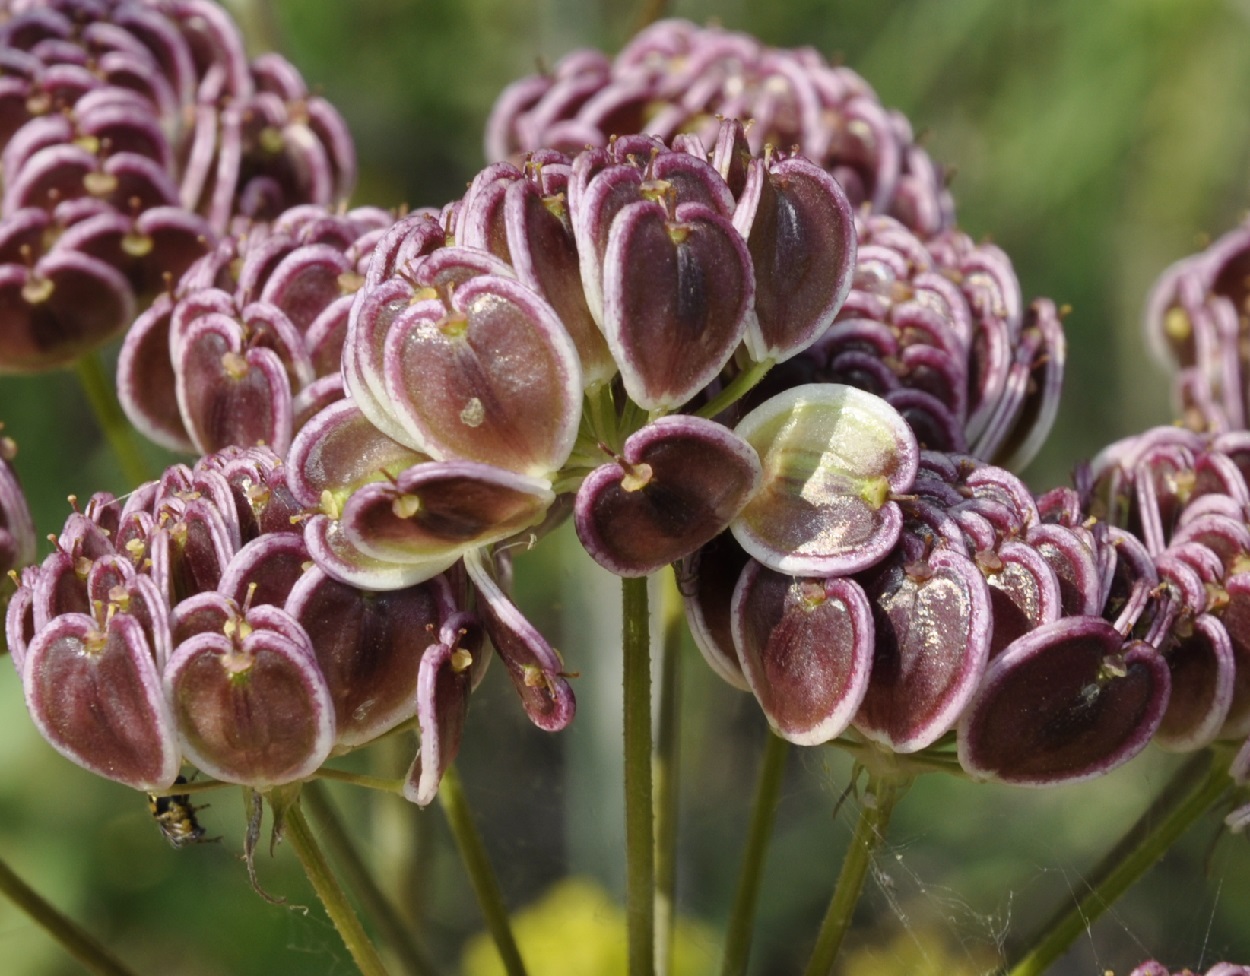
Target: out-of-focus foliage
{"points": [[1095, 143]]}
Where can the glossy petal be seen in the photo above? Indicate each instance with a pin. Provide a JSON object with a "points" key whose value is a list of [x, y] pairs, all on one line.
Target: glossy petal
{"points": [[933, 625], [832, 457], [806, 649], [676, 290], [494, 379]]}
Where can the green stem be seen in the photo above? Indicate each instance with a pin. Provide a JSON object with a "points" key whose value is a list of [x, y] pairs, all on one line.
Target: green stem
{"points": [[395, 786], [742, 917], [302, 841], [1195, 787], [84, 948], [876, 805], [738, 387], [665, 771], [639, 812], [481, 875], [338, 842], [108, 414]]}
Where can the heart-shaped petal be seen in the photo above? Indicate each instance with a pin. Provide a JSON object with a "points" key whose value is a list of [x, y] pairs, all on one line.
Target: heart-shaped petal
{"points": [[494, 378], [677, 484], [676, 291], [367, 648], [257, 712], [96, 697], [801, 234], [806, 649], [1067, 702], [933, 624]]}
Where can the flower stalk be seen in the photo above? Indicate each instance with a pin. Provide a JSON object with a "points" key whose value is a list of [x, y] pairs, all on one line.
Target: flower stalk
{"points": [[666, 772], [742, 916], [481, 874], [1190, 793], [331, 894], [876, 806], [339, 843], [108, 413], [639, 811]]}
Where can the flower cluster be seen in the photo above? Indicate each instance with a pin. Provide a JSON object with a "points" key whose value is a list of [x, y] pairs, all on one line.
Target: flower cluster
{"points": [[1185, 496], [247, 344], [938, 328], [982, 597], [758, 351], [676, 77], [132, 132], [1196, 323], [187, 624]]}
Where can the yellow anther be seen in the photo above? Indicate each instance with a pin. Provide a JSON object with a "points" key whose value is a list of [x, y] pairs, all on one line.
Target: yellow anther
{"points": [[406, 506]]}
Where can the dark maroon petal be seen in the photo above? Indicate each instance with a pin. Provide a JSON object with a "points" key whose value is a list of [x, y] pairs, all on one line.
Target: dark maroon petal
{"points": [[1067, 702], [442, 507], [1202, 667], [1073, 563], [146, 385], [442, 703], [230, 394], [676, 291], [369, 648], [678, 483], [265, 570], [933, 624], [96, 697], [707, 580], [1024, 591], [806, 648], [533, 665], [65, 306], [545, 257], [801, 235], [258, 713]]}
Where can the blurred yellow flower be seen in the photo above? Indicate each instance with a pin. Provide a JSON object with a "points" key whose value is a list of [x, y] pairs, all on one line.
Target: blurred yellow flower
{"points": [[576, 929]]}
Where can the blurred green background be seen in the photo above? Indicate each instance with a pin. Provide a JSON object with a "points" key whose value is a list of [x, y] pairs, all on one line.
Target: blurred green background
{"points": [[1095, 143]]}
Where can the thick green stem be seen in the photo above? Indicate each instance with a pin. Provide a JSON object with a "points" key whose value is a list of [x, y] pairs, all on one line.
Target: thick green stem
{"points": [[742, 917], [665, 771], [876, 805], [339, 843], [481, 875], [89, 953], [639, 812], [300, 837], [108, 414], [1195, 787]]}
